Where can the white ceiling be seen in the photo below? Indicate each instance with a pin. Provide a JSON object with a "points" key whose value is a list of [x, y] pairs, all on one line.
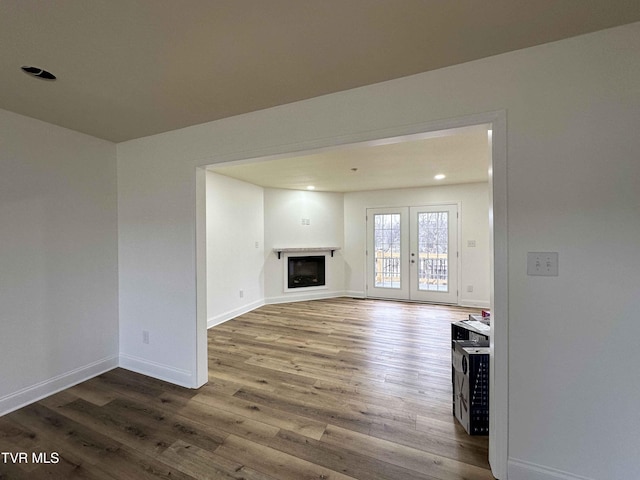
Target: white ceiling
{"points": [[463, 155], [131, 68]]}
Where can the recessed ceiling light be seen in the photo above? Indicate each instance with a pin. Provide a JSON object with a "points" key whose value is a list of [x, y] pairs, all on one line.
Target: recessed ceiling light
{"points": [[440, 176], [38, 73], [311, 187]]}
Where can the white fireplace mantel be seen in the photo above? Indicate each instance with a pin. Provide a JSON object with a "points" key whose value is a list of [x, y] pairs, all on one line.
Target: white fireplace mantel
{"points": [[279, 251]]}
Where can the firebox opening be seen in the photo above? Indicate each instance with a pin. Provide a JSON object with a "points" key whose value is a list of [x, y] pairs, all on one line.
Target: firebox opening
{"points": [[306, 271]]}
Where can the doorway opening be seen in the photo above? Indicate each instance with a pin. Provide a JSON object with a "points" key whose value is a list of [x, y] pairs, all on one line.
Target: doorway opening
{"points": [[495, 122], [412, 253]]}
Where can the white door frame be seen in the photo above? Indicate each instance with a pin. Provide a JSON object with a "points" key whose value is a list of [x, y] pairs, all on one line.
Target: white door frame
{"points": [[454, 255], [409, 288], [402, 292], [499, 372]]}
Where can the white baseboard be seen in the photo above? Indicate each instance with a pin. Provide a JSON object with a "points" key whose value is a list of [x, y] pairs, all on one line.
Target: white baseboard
{"points": [[230, 315], [304, 296], [225, 317], [354, 294], [521, 470], [183, 378], [473, 303], [48, 387]]}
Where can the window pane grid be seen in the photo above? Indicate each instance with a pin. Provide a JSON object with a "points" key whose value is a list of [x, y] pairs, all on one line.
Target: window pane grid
{"points": [[387, 250], [433, 251]]}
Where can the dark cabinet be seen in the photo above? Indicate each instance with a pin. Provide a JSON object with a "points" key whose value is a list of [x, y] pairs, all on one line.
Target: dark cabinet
{"points": [[470, 375]]}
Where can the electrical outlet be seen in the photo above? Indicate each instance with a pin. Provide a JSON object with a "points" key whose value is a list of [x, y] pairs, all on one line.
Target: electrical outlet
{"points": [[241, 293], [469, 288], [145, 336], [543, 264], [471, 243]]}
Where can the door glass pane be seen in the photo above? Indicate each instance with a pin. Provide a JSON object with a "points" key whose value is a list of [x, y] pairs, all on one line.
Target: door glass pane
{"points": [[433, 251], [386, 238]]}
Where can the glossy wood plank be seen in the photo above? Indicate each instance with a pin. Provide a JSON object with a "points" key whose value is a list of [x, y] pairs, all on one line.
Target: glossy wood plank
{"points": [[273, 462], [204, 464], [330, 389]]}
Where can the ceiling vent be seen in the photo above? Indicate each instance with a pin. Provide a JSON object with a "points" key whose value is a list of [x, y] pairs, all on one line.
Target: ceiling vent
{"points": [[38, 73]]}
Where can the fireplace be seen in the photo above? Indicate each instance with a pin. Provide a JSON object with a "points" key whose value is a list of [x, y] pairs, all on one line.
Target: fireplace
{"points": [[306, 271]]}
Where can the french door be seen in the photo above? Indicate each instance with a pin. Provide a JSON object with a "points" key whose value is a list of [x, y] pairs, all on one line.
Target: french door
{"points": [[412, 253]]}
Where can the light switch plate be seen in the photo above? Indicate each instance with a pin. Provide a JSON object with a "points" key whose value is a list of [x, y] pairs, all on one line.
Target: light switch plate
{"points": [[543, 264]]}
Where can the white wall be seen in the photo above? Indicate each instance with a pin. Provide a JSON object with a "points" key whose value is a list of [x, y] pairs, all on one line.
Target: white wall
{"points": [[572, 112], [284, 211], [474, 225], [58, 259], [235, 223], [235, 247]]}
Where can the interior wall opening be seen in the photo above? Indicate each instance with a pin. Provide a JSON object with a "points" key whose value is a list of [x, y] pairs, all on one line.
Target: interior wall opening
{"points": [[495, 163]]}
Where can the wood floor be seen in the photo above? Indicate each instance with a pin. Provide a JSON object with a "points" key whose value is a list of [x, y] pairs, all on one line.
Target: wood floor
{"points": [[324, 390]]}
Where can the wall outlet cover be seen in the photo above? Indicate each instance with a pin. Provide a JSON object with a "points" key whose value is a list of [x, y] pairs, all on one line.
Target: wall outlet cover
{"points": [[543, 264]]}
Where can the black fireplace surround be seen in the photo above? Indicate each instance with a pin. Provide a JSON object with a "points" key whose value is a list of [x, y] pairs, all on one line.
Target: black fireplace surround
{"points": [[306, 271]]}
